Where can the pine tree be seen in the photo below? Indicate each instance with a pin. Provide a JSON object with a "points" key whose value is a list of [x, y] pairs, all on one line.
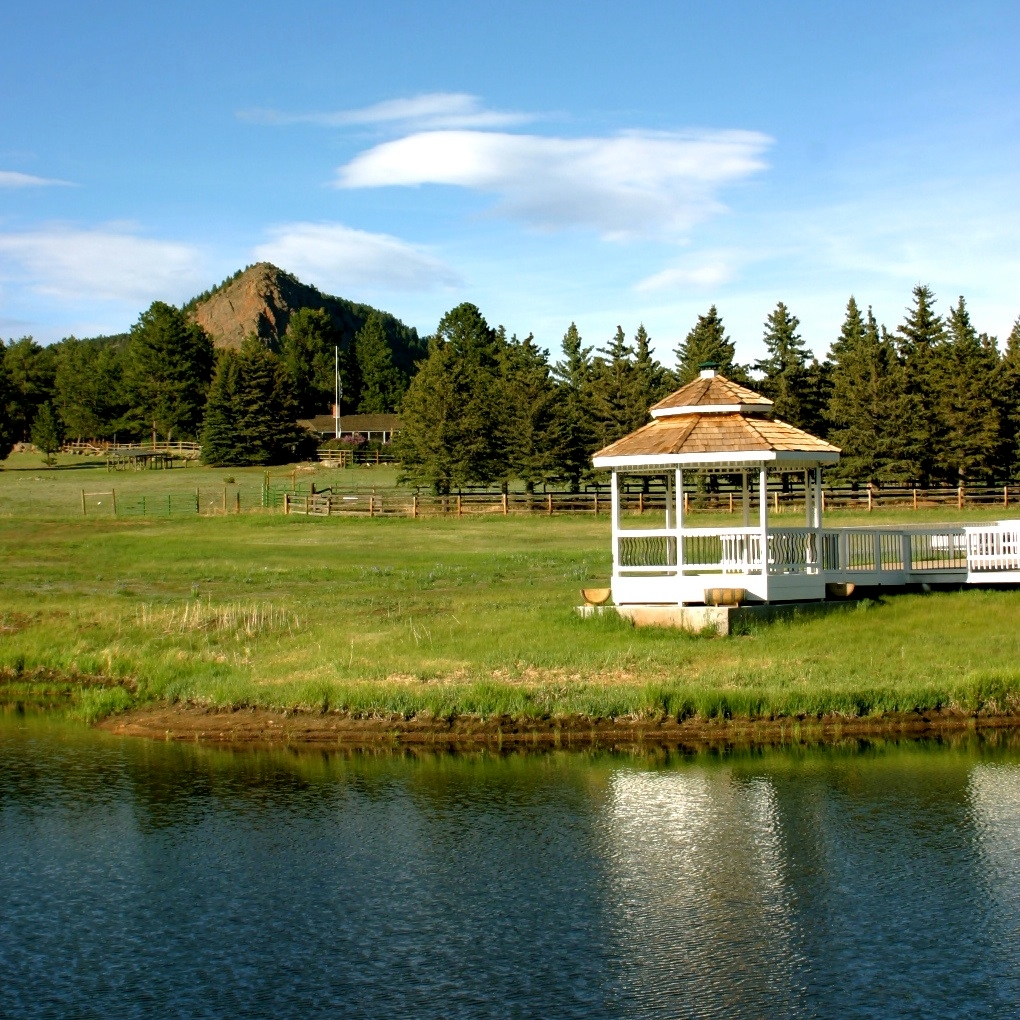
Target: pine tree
{"points": [[222, 441], [168, 368], [30, 373], [88, 388], [266, 408], [573, 433], [531, 405], [921, 351], [969, 408], [614, 385], [309, 351], [454, 414], [707, 342], [866, 405], [8, 432], [652, 382], [786, 369], [382, 383], [46, 432], [1008, 397]]}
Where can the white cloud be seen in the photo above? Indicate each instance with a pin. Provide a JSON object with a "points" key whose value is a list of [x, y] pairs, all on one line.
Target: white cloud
{"points": [[636, 183], [703, 277], [335, 257], [14, 179], [72, 264], [430, 111]]}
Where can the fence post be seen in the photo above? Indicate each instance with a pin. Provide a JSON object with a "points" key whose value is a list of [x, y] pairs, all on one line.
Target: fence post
{"points": [[687, 503], [548, 498], [506, 508], [224, 499], [1005, 495], [237, 501], [286, 502], [731, 502], [915, 499], [371, 505], [84, 512], [113, 493], [775, 500], [959, 497], [458, 505], [596, 502], [641, 502], [870, 499], [414, 506]]}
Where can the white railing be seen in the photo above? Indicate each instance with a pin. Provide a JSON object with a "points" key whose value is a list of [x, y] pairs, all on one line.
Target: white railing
{"points": [[993, 547]]}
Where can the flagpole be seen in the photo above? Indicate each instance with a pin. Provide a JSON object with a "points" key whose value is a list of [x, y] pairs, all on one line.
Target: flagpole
{"points": [[336, 391]]}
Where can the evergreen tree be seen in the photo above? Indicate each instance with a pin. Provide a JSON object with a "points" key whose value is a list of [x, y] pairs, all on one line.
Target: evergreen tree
{"points": [[652, 380], [786, 369], [266, 408], [707, 342], [454, 414], [614, 388], [382, 383], [222, 441], [309, 351], [531, 402], [30, 374], [168, 367], [969, 408], [574, 437], [866, 405], [1008, 397], [46, 432], [88, 388], [921, 350], [8, 433]]}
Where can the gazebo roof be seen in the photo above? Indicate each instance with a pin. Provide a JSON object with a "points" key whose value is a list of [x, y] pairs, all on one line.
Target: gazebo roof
{"points": [[715, 422], [712, 393]]}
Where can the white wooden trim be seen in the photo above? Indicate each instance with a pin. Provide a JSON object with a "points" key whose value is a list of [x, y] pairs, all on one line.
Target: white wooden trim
{"points": [[721, 461], [673, 412]]}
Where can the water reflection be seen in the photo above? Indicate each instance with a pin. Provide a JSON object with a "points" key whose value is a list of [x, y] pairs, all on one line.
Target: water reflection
{"points": [[143, 878]]}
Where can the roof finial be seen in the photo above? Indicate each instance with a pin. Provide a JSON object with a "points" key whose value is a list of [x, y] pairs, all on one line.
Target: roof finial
{"points": [[707, 369]]}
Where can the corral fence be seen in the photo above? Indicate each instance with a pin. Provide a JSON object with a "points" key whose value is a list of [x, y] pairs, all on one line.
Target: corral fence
{"points": [[204, 500], [350, 458], [333, 501]]}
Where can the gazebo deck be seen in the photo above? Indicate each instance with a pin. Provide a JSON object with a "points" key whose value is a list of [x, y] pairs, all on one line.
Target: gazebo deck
{"points": [[800, 562]]}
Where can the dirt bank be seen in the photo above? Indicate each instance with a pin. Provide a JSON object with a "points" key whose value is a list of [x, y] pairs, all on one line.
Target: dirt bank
{"points": [[259, 726]]}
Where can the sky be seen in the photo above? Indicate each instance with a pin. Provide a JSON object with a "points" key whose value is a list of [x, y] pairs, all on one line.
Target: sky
{"points": [[607, 163]]}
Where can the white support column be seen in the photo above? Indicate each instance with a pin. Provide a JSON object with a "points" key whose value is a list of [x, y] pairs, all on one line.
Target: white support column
{"points": [[679, 493], [763, 518], [818, 497], [745, 500], [614, 491]]}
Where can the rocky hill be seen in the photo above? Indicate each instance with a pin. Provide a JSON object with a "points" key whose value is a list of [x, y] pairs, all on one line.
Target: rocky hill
{"points": [[261, 299]]}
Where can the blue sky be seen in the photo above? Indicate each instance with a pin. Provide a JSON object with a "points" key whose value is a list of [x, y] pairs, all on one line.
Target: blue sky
{"points": [[608, 163]]}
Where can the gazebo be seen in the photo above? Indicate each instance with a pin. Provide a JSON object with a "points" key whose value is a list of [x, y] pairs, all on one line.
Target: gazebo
{"points": [[713, 426]]}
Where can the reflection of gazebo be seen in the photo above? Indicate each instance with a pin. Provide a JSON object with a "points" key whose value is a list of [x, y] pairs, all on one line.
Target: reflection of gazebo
{"points": [[713, 426]]}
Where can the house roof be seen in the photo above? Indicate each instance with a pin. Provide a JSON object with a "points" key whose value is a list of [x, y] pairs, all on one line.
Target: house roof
{"points": [[353, 423], [715, 392], [726, 427]]}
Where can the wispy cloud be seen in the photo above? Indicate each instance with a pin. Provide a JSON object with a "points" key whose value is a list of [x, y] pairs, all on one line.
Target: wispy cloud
{"points": [[335, 257], [74, 264], [427, 112], [626, 185], [14, 179], [698, 277]]}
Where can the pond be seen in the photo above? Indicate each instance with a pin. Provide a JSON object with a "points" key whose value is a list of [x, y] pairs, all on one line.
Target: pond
{"points": [[143, 878]]}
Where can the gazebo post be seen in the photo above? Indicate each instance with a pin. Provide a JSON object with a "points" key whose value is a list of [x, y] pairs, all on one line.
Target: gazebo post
{"points": [[809, 515], [763, 517], [678, 493], [614, 517]]}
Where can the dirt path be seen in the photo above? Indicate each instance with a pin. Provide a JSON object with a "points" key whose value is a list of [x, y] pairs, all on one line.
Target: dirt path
{"points": [[262, 727]]}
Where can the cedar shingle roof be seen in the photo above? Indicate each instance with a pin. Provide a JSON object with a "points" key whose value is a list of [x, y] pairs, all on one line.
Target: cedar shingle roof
{"points": [[714, 390], [353, 423], [715, 433]]}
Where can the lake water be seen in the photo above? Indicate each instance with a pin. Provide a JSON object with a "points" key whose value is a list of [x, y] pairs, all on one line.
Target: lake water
{"points": [[152, 879]]}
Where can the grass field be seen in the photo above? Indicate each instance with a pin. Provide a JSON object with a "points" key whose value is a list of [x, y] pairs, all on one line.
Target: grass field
{"points": [[441, 616]]}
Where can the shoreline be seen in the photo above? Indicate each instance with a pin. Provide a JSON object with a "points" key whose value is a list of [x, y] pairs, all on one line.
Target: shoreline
{"points": [[262, 727]]}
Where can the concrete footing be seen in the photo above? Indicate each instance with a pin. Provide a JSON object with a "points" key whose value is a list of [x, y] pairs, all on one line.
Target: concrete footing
{"points": [[721, 619]]}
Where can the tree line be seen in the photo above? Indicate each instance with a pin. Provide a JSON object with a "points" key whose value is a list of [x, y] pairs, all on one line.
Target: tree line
{"points": [[165, 380], [930, 402]]}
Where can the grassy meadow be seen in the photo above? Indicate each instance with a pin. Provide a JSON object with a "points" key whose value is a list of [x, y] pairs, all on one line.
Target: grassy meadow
{"points": [[436, 616]]}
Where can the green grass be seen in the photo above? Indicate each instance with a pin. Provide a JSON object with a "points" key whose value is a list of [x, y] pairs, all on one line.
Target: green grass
{"points": [[446, 617]]}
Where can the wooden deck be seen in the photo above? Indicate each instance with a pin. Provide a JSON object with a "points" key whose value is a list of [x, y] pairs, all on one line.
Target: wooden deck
{"points": [[666, 567]]}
